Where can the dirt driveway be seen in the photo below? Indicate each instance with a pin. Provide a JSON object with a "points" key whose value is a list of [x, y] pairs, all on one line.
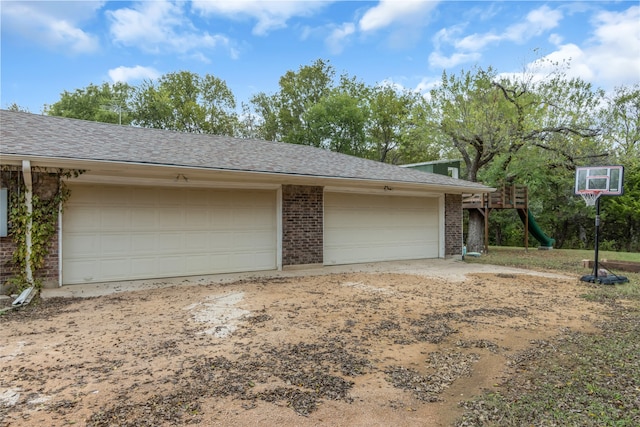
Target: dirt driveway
{"points": [[350, 348]]}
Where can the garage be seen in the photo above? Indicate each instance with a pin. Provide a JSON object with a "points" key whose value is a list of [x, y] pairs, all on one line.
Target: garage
{"points": [[112, 232], [368, 228]]}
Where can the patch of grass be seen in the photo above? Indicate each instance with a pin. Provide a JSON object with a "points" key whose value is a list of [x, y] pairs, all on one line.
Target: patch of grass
{"points": [[568, 262], [581, 379], [585, 380]]}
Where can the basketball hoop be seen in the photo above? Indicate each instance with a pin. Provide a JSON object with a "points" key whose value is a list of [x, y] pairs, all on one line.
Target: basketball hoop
{"points": [[590, 197]]}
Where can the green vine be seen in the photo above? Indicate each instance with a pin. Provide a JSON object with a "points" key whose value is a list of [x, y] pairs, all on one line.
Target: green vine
{"points": [[44, 222]]}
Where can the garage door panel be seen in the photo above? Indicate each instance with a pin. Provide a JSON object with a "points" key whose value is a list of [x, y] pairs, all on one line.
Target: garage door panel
{"points": [[144, 266], [253, 239], [115, 244], [173, 265], [144, 218], [170, 217], [197, 262], [366, 228], [116, 196], [143, 243], [115, 218], [121, 233], [112, 268], [82, 270], [78, 245], [196, 241], [197, 218], [83, 218], [170, 242]]}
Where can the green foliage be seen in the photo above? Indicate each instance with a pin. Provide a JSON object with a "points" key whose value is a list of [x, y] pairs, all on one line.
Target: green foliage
{"points": [[108, 103], [337, 123], [43, 220], [379, 122], [283, 114], [390, 122], [185, 102], [16, 107], [621, 214]]}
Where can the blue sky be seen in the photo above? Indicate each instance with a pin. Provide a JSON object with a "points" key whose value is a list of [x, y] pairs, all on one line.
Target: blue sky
{"points": [[52, 46]]}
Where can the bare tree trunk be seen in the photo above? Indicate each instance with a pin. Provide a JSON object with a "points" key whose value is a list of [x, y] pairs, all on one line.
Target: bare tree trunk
{"points": [[475, 238]]}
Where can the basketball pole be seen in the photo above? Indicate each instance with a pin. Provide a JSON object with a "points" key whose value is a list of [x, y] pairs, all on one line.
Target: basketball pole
{"points": [[597, 237], [592, 182]]}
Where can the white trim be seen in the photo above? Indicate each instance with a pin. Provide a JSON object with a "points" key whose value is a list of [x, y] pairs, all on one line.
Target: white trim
{"points": [[60, 245], [252, 175], [382, 191], [180, 180], [441, 227], [279, 228], [28, 201], [435, 162]]}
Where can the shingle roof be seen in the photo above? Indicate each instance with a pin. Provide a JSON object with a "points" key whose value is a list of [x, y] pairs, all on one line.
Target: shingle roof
{"points": [[25, 134]]}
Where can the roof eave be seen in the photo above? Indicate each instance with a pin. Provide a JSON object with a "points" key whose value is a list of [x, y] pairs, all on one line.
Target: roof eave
{"points": [[277, 177]]}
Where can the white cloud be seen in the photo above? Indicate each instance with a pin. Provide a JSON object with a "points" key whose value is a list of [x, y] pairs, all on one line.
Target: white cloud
{"points": [[160, 26], [389, 12], [129, 74], [468, 49], [270, 15], [611, 57], [338, 37], [536, 23], [476, 42], [428, 83], [57, 25], [446, 36], [436, 59], [556, 39]]}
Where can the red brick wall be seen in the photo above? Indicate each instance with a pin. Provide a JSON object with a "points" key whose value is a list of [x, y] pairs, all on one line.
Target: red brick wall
{"points": [[453, 224], [6, 252], [302, 225]]}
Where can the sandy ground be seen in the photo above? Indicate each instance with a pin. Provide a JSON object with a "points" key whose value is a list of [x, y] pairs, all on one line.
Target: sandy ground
{"points": [[390, 344]]}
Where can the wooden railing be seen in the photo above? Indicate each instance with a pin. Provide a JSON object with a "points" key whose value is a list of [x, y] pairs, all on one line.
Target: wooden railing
{"points": [[512, 197]]}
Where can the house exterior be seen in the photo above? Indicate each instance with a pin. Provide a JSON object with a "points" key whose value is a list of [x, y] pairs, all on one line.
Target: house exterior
{"points": [[151, 203], [443, 167]]}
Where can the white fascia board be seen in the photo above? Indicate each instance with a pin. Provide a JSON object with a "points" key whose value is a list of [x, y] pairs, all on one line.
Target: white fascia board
{"points": [[230, 175], [179, 180], [381, 191]]}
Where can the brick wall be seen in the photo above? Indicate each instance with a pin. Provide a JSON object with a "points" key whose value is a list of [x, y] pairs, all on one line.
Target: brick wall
{"points": [[45, 186], [453, 224], [7, 246], [302, 225]]}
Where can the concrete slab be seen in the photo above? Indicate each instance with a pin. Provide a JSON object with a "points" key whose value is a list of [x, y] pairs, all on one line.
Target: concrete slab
{"points": [[451, 269]]}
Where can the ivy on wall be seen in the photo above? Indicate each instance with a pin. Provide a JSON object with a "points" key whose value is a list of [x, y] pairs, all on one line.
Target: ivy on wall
{"points": [[44, 222]]}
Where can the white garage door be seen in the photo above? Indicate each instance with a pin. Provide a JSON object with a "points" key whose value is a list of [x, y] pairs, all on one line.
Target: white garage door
{"points": [[364, 228], [123, 232]]}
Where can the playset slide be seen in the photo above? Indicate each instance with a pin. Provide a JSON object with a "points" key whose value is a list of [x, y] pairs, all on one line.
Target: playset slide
{"points": [[535, 230]]}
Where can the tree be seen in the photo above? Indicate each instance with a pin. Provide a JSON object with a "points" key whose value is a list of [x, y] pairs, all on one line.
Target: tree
{"points": [[283, 113], [337, 123], [108, 103], [488, 119], [17, 108], [389, 121], [621, 123], [621, 120], [185, 102], [312, 107]]}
